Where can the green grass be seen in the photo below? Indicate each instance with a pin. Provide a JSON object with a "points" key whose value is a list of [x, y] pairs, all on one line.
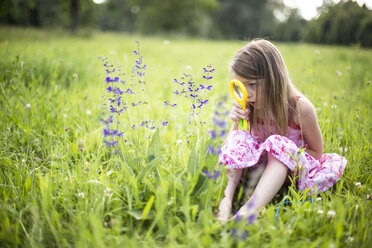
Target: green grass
{"points": [[154, 194]]}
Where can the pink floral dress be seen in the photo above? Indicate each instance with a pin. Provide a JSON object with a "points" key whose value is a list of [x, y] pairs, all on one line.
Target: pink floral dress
{"points": [[242, 150]]}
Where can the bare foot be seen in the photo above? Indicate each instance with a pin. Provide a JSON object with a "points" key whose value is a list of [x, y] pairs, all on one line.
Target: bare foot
{"points": [[224, 210]]}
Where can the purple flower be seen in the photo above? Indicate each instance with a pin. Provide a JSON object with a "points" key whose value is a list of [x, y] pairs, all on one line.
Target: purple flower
{"points": [[237, 218], [118, 91], [174, 105], [108, 79], [216, 174], [109, 89], [209, 87], [164, 123], [223, 132], [106, 132], [176, 92], [251, 218], [234, 232], [129, 91], [135, 53], [165, 103], [213, 134], [134, 127], [208, 174], [116, 79], [111, 144], [211, 150], [244, 235]]}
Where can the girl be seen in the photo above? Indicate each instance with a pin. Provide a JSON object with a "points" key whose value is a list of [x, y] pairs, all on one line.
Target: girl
{"points": [[282, 121]]}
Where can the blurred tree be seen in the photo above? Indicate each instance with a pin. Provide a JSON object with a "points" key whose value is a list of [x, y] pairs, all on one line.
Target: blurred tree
{"points": [[290, 29], [343, 23], [47, 13], [186, 16], [246, 18], [74, 11]]}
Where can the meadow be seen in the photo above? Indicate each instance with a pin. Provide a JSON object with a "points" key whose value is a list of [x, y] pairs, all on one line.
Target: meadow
{"points": [[60, 186]]}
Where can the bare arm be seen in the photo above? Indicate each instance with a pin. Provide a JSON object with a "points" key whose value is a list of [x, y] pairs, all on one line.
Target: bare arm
{"points": [[310, 128]]}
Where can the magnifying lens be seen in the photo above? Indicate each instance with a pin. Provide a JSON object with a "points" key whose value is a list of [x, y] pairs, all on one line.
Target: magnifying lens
{"points": [[239, 93]]}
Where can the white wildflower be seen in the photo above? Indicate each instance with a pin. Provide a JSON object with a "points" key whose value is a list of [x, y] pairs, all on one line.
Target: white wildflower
{"points": [[107, 192], [320, 212], [358, 185], [88, 112], [112, 52], [331, 214], [28, 106], [179, 141], [166, 42], [317, 52], [339, 73], [65, 115], [81, 194], [135, 9], [189, 68], [319, 199], [23, 161], [325, 104], [334, 106], [350, 239]]}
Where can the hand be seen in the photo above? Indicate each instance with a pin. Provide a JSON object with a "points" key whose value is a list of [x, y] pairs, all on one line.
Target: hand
{"points": [[224, 210], [238, 113]]}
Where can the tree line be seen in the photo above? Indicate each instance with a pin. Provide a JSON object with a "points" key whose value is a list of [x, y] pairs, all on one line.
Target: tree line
{"points": [[343, 23]]}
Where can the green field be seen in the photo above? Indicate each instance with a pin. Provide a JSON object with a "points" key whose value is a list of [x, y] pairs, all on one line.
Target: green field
{"points": [[59, 187]]}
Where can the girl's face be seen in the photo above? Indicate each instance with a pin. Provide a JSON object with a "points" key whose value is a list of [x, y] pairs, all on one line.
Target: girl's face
{"points": [[252, 86]]}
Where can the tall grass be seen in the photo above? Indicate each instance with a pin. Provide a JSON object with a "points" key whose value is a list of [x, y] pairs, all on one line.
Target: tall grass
{"points": [[59, 187]]}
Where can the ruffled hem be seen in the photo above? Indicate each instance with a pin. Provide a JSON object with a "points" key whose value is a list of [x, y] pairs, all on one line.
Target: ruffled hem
{"points": [[241, 150]]}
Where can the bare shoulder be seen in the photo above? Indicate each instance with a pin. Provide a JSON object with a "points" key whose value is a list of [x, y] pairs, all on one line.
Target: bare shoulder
{"points": [[306, 109]]}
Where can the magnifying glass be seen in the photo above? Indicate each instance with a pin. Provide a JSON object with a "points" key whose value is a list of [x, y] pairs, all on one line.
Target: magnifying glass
{"points": [[239, 93]]}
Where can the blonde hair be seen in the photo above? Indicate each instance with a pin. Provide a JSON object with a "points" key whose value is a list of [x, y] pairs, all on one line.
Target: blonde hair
{"points": [[261, 60]]}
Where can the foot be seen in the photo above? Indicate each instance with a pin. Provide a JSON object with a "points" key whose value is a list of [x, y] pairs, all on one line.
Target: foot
{"points": [[224, 210]]}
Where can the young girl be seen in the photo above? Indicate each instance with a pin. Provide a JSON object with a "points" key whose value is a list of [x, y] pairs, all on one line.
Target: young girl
{"points": [[282, 121]]}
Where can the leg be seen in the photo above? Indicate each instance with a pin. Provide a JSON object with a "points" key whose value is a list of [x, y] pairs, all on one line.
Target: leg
{"points": [[269, 184], [226, 203]]}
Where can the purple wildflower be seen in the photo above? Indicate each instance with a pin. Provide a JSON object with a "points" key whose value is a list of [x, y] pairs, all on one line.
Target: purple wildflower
{"points": [[234, 232], [208, 174], [244, 235], [216, 174], [251, 218], [213, 134], [222, 134], [164, 123], [237, 218]]}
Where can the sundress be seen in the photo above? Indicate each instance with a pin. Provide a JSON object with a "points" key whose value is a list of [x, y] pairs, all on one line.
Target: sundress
{"points": [[243, 150]]}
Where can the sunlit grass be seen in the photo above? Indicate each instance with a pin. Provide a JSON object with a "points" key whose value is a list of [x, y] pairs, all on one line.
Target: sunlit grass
{"points": [[60, 188]]}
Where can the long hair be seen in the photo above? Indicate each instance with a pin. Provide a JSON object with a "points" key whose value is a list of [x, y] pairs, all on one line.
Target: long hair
{"points": [[260, 60]]}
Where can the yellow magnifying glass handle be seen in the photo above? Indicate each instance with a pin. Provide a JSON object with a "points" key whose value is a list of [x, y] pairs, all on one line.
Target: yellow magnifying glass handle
{"points": [[241, 99]]}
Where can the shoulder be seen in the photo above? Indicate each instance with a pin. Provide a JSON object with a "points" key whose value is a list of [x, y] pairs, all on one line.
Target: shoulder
{"points": [[306, 109]]}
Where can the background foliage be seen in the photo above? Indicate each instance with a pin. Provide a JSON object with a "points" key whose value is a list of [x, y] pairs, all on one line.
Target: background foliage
{"points": [[343, 23]]}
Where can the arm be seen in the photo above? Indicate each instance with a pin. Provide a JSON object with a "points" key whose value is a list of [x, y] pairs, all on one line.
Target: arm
{"points": [[310, 128]]}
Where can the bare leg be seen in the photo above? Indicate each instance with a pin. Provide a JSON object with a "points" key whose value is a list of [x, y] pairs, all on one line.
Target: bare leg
{"points": [[269, 184], [226, 203]]}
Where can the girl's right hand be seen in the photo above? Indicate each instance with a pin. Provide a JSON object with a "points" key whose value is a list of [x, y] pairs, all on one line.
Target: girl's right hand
{"points": [[238, 113]]}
